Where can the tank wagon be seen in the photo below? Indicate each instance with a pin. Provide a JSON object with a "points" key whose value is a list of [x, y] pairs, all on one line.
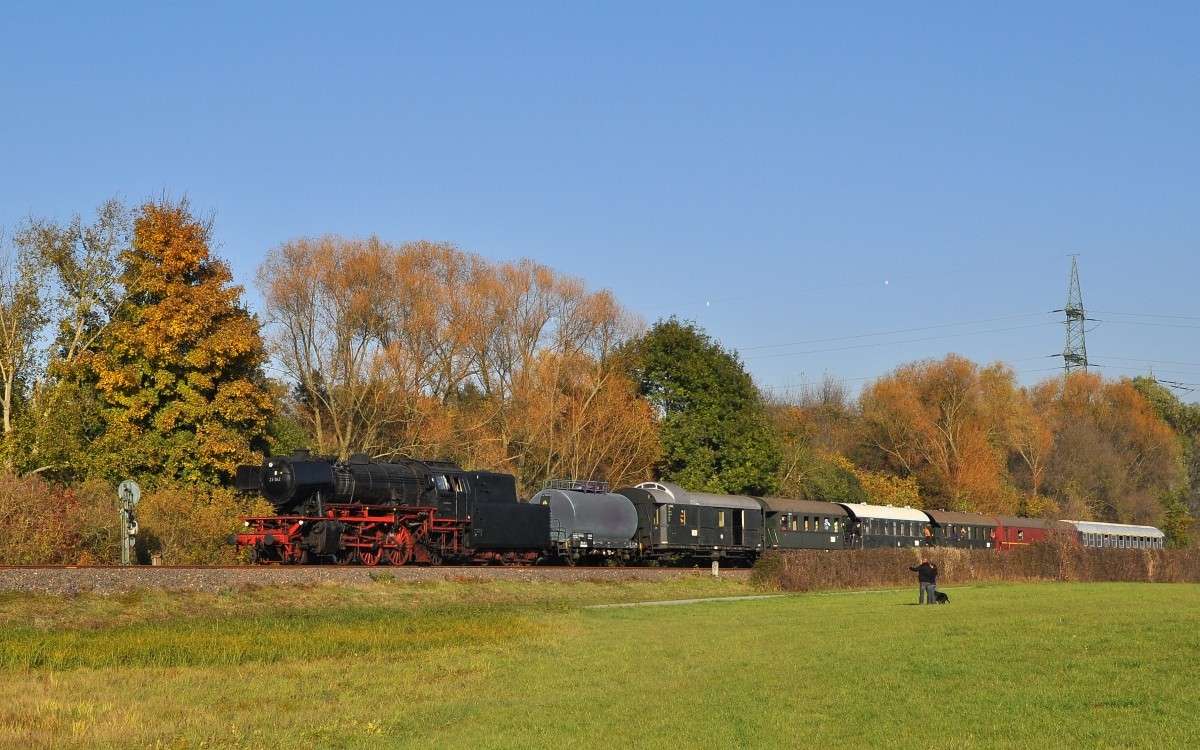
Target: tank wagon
{"points": [[360, 511], [588, 523]]}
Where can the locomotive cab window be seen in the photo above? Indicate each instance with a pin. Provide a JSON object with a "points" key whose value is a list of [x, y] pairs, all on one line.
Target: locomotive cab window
{"points": [[442, 483]]}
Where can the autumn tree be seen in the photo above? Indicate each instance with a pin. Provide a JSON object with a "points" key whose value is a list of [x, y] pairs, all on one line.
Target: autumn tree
{"points": [[80, 294], [21, 320], [1113, 456], [178, 368], [1181, 504], [574, 416], [713, 425], [422, 349], [932, 420], [1184, 420]]}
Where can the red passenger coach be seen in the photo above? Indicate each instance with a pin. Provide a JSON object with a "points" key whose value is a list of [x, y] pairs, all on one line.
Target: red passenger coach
{"points": [[1012, 531]]}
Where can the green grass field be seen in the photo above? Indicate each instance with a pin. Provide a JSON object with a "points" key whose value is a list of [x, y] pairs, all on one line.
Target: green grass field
{"points": [[508, 665]]}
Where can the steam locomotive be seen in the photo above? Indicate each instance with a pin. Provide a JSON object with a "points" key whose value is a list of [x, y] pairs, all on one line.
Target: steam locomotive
{"points": [[406, 511], [363, 511]]}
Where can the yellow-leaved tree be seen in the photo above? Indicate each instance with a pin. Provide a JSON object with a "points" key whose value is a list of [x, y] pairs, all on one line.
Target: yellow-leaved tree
{"points": [[179, 369]]}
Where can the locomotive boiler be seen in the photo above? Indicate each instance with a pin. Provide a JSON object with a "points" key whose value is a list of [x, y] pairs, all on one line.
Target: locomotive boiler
{"points": [[395, 512]]}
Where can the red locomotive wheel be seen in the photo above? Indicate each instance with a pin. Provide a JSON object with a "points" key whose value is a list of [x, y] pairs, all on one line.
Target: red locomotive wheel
{"points": [[370, 557], [402, 551]]}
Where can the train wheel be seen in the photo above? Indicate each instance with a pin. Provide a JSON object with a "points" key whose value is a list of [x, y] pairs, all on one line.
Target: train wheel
{"points": [[402, 552], [370, 557]]}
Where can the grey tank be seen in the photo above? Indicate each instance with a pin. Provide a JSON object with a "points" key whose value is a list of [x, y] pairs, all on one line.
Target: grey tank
{"points": [[610, 519]]}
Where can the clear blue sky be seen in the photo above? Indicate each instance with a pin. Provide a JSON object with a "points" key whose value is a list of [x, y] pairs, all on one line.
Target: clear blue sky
{"points": [[760, 169]]}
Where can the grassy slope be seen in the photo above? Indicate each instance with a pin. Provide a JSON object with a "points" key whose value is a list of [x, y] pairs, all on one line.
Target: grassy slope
{"points": [[1065, 665]]}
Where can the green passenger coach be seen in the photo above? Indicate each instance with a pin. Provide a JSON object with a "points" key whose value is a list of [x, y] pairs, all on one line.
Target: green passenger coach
{"points": [[803, 524]]}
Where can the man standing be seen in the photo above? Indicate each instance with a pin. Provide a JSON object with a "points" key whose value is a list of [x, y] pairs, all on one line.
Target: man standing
{"points": [[927, 578]]}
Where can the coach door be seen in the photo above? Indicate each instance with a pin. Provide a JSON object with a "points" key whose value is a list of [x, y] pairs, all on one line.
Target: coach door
{"points": [[739, 527]]}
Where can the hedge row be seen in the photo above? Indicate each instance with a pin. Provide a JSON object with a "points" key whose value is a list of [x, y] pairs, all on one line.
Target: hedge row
{"points": [[1057, 560], [46, 524]]}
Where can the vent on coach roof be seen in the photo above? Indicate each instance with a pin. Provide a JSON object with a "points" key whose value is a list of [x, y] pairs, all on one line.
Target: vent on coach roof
{"points": [[577, 485]]}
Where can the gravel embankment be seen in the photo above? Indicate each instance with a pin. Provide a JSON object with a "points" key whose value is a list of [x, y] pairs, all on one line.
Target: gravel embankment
{"points": [[113, 580]]}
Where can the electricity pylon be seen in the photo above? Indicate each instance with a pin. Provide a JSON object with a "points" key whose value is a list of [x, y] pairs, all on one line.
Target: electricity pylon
{"points": [[1075, 352]]}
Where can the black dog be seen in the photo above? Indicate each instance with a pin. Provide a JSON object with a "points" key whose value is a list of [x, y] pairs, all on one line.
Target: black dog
{"points": [[941, 597]]}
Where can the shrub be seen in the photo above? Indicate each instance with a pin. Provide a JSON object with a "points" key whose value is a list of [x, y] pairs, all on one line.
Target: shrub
{"points": [[46, 524], [1057, 559], [191, 525]]}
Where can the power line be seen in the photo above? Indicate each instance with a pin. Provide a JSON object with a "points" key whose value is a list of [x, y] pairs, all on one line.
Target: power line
{"points": [[893, 331], [1152, 361], [1110, 321], [902, 341], [1147, 315], [797, 386]]}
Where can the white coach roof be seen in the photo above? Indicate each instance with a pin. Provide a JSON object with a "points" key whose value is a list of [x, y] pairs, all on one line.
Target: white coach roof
{"points": [[890, 512], [1120, 529], [680, 496]]}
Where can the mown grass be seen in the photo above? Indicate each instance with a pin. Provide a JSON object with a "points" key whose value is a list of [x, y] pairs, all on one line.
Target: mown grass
{"points": [[525, 665]]}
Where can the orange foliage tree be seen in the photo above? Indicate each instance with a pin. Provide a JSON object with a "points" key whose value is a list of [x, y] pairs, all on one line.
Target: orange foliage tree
{"points": [[179, 366], [421, 349], [1113, 457], [930, 420]]}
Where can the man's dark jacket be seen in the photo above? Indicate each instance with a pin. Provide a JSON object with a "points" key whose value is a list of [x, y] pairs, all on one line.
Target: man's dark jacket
{"points": [[926, 572]]}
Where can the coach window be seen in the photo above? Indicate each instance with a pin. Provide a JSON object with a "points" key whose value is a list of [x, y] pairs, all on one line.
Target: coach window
{"points": [[835, 524], [795, 522], [1020, 534], [683, 518], [720, 519]]}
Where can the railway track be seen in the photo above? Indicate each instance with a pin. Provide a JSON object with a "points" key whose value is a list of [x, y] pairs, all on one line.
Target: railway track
{"points": [[73, 579]]}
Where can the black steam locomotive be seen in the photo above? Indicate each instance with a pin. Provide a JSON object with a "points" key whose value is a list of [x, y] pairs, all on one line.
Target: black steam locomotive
{"points": [[362, 511]]}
